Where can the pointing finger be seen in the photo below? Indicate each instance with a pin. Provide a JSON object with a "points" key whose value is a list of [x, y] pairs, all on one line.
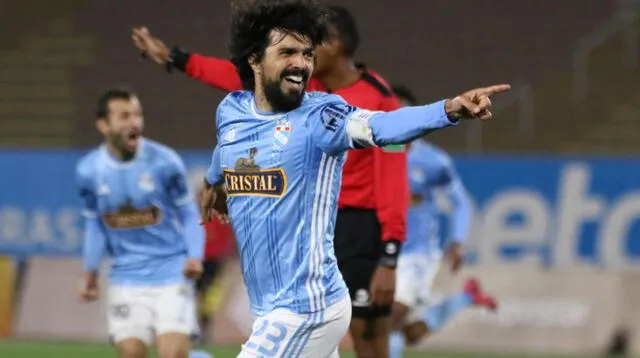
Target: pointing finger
{"points": [[491, 90]]}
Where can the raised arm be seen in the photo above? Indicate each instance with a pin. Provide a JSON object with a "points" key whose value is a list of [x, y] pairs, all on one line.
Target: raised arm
{"points": [[213, 71]]}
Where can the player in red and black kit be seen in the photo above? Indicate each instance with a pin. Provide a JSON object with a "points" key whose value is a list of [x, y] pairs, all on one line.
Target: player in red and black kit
{"points": [[374, 196]]}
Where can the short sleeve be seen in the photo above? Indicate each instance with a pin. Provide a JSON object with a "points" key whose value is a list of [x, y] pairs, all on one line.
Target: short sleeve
{"points": [[214, 173]]}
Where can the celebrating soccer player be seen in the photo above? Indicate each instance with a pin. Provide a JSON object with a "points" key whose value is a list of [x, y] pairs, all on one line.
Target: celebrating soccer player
{"points": [[140, 213], [371, 219], [414, 315], [279, 156]]}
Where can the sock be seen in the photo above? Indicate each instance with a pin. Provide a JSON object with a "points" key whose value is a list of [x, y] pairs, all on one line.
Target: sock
{"points": [[396, 344], [438, 315], [199, 354]]}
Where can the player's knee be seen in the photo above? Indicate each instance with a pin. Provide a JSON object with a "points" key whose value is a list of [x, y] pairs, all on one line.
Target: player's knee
{"points": [[132, 348], [173, 345]]}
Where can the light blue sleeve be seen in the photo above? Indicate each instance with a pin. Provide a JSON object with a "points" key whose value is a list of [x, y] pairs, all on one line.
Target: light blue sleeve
{"points": [[343, 126], [214, 173], [178, 190], [405, 124], [94, 247], [94, 238], [328, 122], [450, 181]]}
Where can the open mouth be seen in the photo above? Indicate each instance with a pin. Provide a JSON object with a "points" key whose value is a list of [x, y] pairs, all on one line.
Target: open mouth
{"points": [[132, 139], [294, 79]]}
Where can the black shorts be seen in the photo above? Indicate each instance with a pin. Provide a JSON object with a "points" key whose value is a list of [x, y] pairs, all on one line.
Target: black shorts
{"points": [[357, 245], [210, 270]]}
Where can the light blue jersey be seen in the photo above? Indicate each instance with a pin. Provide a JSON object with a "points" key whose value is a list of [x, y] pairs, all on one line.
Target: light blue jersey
{"points": [[430, 170], [282, 173], [141, 214]]}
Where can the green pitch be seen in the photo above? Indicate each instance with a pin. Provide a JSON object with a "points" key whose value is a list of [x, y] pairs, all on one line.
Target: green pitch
{"points": [[27, 349]]}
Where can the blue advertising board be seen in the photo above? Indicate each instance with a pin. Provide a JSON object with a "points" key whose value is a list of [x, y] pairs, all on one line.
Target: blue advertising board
{"points": [[546, 211]]}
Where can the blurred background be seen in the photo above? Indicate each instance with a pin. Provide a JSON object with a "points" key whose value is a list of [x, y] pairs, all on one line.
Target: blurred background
{"points": [[555, 179]]}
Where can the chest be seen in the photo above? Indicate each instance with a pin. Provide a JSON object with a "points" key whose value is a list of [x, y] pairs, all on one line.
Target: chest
{"points": [[263, 158], [138, 186], [272, 143]]}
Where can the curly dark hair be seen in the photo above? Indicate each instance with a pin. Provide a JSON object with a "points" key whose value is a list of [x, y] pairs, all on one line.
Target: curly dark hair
{"points": [[253, 20]]}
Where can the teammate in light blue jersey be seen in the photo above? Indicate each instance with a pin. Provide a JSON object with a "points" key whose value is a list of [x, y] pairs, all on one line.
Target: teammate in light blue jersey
{"points": [[414, 316], [141, 214], [279, 157]]}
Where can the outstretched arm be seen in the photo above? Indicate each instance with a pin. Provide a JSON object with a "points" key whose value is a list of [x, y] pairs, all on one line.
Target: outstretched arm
{"points": [[408, 123], [213, 71], [341, 126]]}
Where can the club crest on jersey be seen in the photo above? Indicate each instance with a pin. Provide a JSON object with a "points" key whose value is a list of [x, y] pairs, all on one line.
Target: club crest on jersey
{"points": [[248, 179], [129, 217], [282, 132], [146, 182]]}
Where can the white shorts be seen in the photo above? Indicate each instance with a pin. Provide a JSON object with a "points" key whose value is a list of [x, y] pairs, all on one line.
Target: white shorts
{"points": [[146, 312], [283, 333], [414, 281]]}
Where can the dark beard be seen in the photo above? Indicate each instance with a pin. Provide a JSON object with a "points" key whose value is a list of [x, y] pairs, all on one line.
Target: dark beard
{"points": [[117, 141], [280, 101]]}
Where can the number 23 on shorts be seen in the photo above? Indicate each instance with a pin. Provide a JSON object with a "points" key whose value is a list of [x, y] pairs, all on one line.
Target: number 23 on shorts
{"points": [[267, 338]]}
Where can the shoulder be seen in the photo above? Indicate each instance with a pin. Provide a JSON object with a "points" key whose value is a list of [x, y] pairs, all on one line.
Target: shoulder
{"points": [[233, 103], [321, 101], [321, 98], [85, 167], [236, 100], [376, 81], [331, 108], [161, 154]]}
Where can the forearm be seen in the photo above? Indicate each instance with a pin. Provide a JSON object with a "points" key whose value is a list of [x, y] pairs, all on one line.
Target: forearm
{"points": [[193, 232], [461, 213], [406, 124], [94, 245]]}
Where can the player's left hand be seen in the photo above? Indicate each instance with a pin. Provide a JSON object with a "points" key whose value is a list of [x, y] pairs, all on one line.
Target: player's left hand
{"points": [[474, 104], [213, 202], [383, 286], [455, 256], [193, 268]]}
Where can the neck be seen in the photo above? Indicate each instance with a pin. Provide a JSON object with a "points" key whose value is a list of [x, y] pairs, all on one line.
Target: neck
{"points": [[118, 154], [342, 74]]}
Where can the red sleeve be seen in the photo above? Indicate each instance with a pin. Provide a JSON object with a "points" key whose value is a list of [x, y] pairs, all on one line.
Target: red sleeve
{"points": [[391, 185], [214, 72]]}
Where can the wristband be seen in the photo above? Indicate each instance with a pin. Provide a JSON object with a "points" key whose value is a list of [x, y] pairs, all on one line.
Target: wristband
{"points": [[178, 58], [390, 253]]}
